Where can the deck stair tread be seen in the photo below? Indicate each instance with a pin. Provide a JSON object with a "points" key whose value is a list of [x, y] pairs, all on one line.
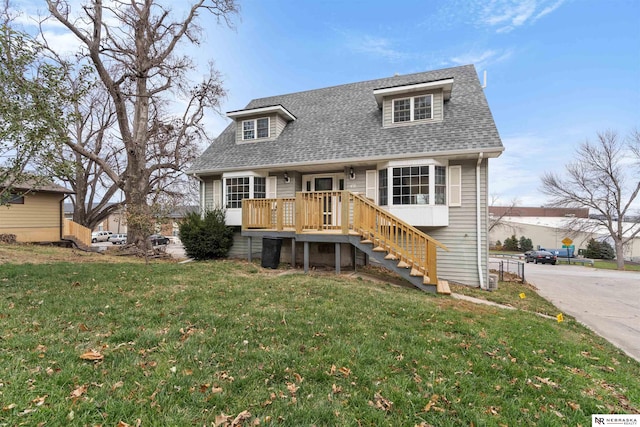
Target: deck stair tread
{"points": [[443, 287], [379, 249], [403, 264], [416, 272]]}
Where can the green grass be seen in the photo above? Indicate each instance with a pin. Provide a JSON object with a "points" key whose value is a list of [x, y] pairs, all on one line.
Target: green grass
{"points": [[611, 265], [186, 344]]}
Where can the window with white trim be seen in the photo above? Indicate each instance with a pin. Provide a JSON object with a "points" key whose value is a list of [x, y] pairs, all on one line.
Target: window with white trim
{"points": [[413, 185], [412, 109], [236, 190], [244, 187], [255, 129]]}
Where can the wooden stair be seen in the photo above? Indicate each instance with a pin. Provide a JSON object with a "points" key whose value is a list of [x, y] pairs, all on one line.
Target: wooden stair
{"points": [[389, 259]]}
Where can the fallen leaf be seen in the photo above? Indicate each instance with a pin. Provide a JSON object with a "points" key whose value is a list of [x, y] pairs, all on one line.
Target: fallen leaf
{"points": [[292, 388], [380, 402], [221, 419], [9, 407], [39, 401], [117, 385], [79, 391], [345, 371], [92, 355], [242, 416]]}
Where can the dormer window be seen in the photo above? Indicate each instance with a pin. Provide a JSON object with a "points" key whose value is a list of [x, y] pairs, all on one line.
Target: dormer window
{"points": [[260, 124], [254, 129], [412, 109]]}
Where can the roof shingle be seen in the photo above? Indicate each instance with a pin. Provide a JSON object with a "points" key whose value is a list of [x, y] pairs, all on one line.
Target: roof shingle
{"points": [[344, 122]]}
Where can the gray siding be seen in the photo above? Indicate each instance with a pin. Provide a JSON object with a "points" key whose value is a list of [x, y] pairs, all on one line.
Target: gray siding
{"points": [[460, 264], [358, 184], [240, 248], [436, 108], [274, 128]]}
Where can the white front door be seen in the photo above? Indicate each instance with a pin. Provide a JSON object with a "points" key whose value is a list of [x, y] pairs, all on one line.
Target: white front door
{"points": [[330, 203]]}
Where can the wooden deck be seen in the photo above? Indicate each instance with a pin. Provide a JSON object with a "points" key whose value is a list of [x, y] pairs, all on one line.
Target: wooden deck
{"points": [[342, 216]]}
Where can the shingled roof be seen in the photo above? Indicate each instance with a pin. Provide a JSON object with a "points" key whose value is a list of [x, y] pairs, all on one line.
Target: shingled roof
{"points": [[344, 124]]}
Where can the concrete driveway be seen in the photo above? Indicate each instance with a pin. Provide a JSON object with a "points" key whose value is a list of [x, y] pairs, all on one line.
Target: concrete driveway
{"points": [[607, 301]]}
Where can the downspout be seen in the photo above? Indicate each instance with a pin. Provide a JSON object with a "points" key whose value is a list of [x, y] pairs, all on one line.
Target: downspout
{"points": [[479, 222]]}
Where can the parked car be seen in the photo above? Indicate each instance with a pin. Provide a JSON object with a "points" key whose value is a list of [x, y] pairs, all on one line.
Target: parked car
{"points": [[100, 236], [118, 239], [158, 239], [543, 257]]}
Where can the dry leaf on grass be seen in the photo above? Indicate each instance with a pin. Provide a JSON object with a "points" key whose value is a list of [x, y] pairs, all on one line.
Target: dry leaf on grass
{"points": [[92, 355], [379, 402], [79, 391]]}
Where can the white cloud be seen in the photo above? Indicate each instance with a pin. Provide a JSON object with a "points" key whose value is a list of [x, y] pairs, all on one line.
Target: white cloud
{"points": [[507, 15], [481, 59]]}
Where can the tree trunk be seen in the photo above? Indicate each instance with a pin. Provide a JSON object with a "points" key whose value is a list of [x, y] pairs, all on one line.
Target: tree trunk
{"points": [[619, 254]]}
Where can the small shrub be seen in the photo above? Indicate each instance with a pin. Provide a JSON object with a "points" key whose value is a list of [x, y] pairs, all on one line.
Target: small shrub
{"points": [[525, 244], [208, 237], [606, 251], [511, 243]]}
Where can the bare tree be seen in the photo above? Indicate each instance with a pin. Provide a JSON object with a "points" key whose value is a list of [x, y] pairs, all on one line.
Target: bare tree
{"points": [[132, 45], [496, 221], [604, 178]]}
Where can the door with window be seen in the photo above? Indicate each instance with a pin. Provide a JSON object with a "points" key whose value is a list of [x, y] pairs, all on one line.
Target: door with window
{"points": [[329, 203]]}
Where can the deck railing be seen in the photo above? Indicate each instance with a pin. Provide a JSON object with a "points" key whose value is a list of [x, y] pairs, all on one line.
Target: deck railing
{"points": [[81, 233], [343, 212]]}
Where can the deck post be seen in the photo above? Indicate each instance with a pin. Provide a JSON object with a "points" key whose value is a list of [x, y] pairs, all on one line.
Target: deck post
{"points": [[338, 247], [306, 257], [344, 214], [250, 248], [293, 253], [279, 214]]}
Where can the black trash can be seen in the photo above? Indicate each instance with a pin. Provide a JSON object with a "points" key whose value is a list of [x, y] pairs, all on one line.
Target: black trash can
{"points": [[271, 247]]}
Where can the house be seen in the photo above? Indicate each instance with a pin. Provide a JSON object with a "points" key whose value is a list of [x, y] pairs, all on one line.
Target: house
{"points": [[35, 214], [384, 167], [115, 222]]}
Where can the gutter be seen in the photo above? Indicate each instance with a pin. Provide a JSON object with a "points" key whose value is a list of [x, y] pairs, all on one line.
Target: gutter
{"points": [[494, 152], [479, 222]]}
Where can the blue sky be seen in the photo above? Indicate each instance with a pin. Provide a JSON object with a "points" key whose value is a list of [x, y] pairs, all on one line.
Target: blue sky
{"points": [[558, 71]]}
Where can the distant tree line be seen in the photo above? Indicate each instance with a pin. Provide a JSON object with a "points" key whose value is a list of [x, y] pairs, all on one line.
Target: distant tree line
{"points": [[514, 244]]}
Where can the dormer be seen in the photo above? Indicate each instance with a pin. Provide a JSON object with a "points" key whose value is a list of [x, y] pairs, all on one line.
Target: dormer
{"points": [[413, 103], [260, 124]]}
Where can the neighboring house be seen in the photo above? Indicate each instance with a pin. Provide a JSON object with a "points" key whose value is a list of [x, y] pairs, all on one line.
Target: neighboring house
{"points": [[548, 231], [363, 165], [36, 215], [114, 222]]}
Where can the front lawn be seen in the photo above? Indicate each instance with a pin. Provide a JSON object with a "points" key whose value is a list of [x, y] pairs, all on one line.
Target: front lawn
{"points": [[210, 343]]}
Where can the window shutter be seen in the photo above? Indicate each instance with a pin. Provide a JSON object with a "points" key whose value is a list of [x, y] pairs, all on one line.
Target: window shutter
{"points": [[455, 185], [371, 185], [217, 194], [272, 183]]}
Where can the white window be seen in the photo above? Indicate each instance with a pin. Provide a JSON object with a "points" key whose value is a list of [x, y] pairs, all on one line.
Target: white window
{"points": [[416, 185], [412, 109], [257, 128]]}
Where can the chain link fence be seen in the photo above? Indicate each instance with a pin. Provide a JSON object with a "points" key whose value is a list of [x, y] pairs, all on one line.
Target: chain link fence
{"points": [[509, 268]]}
